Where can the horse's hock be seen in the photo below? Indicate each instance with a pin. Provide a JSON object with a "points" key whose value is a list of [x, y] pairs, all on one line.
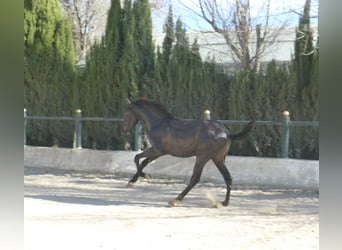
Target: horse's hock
{"points": [[246, 171]]}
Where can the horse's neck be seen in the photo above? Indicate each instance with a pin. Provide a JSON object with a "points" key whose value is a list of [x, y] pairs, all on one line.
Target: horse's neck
{"points": [[149, 118]]}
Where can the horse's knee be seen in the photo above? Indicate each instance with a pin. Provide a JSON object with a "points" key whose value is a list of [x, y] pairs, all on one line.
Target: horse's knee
{"points": [[136, 160]]}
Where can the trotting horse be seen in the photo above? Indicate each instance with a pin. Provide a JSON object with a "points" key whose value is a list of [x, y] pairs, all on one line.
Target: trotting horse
{"points": [[205, 139]]}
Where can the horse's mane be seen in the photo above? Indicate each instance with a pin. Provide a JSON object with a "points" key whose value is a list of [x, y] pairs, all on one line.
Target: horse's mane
{"points": [[153, 105]]}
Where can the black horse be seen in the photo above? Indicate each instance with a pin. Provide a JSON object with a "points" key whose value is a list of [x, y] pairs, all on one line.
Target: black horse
{"points": [[205, 139]]}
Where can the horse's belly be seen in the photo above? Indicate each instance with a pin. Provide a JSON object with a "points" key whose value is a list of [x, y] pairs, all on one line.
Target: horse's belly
{"points": [[181, 147]]}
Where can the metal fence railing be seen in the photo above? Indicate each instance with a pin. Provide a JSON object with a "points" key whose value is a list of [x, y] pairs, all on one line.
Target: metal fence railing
{"points": [[285, 123]]}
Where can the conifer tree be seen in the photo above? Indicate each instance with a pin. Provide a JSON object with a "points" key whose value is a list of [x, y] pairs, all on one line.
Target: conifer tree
{"points": [[144, 46], [306, 68], [158, 75], [169, 37], [177, 71], [121, 65], [187, 85], [48, 70], [162, 60], [129, 59], [101, 86], [305, 61]]}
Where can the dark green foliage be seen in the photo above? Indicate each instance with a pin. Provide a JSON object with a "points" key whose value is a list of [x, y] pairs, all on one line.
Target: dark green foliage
{"points": [[169, 37], [187, 85], [275, 91], [125, 63], [305, 66], [48, 71], [142, 35], [121, 65], [264, 96], [265, 100], [100, 86]]}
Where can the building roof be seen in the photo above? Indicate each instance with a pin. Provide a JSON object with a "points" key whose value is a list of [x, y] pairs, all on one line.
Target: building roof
{"points": [[213, 45]]}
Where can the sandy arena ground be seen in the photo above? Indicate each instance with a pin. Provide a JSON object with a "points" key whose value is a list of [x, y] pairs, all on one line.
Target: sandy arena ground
{"points": [[73, 210]]}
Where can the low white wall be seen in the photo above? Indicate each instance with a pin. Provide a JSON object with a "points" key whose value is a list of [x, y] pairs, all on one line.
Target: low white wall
{"points": [[247, 171]]}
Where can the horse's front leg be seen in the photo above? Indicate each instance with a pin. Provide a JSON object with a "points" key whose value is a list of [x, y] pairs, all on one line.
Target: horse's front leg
{"points": [[150, 154]]}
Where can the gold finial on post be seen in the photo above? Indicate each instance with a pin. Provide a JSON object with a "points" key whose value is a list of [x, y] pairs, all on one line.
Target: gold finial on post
{"points": [[206, 114]]}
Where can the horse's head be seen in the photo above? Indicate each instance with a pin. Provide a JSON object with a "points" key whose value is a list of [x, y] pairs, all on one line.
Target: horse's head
{"points": [[129, 119]]}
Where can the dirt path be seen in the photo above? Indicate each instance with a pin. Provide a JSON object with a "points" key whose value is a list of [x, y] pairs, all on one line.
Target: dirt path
{"points": [[73, 210]]}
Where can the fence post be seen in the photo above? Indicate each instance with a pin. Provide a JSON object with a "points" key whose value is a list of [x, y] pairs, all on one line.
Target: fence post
{"points": [[78, 130], [25, 121], [137, 136], [285, 135], [206, 114]]}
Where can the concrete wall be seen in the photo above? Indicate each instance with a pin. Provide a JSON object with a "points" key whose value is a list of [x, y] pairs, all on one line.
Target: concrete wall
{"points": [[246, 171]]}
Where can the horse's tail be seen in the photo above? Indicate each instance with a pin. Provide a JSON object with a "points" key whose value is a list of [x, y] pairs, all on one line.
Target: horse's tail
{"points": [[243, 133]]}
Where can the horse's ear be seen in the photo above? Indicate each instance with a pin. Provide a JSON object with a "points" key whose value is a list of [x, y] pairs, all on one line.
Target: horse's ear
{"points": [[129, 100]]}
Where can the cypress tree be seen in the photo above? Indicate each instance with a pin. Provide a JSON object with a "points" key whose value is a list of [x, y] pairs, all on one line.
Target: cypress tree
{"points": [[187, 85], [279, 88], [177, 76], [306, 69], [162, 60], [158, 75], [305, 64], [304, 50], [101, 85], [129, 59], [121, 65], [48, 70], [144, 46], [169, 36]]}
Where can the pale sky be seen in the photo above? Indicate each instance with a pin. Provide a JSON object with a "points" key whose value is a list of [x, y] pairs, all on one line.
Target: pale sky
{"points": [[280, 12]]}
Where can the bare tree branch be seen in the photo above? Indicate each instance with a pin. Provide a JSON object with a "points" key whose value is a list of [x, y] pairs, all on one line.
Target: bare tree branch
{"points": [[246, 36], [87, 18]]}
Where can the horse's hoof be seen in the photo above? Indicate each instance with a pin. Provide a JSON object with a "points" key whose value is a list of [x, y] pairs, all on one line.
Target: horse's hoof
{"points": [[130, 184], [174, 203], [225, 203], [147, 176]]}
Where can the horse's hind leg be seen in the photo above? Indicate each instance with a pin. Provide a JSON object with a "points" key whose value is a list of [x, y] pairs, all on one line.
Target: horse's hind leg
{"points": [[195, 178], [150, 154], [219, 162]]}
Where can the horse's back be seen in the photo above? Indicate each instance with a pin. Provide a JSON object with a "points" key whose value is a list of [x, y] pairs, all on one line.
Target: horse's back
{"points": [[198, 129], [185, 138]]}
